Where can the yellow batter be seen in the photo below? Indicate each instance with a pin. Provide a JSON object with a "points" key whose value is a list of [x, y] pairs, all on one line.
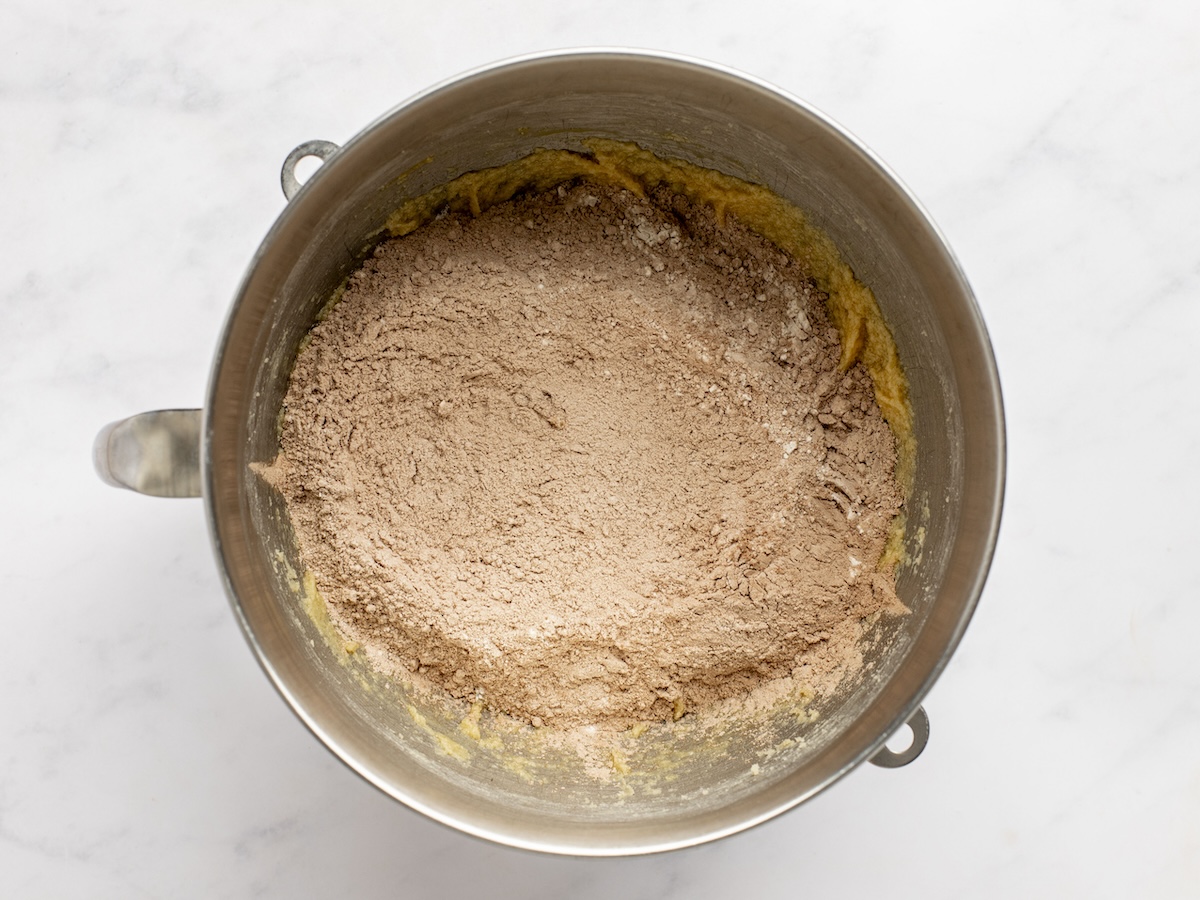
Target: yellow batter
{"points": [[852, 308]]}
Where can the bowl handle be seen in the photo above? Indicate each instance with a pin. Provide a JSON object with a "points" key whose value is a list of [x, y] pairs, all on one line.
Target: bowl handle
{"points": [[155, 453], [919, 723], [321, 150]]}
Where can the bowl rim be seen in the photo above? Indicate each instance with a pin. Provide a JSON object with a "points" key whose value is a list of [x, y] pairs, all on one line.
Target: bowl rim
{"points": [[221, 541]]}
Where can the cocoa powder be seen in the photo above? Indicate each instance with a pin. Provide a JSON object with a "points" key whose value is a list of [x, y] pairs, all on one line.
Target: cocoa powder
{"points": [[588, 457]]}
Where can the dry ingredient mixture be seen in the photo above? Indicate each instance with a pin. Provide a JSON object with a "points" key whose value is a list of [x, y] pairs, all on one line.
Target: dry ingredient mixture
{"points": [[588, 457]]}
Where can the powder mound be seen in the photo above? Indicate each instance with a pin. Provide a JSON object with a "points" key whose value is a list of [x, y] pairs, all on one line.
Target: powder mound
{"points": [[588, 457]]}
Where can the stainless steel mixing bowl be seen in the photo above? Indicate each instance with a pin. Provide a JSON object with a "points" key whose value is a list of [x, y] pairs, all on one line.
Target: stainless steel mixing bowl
{"points": [[704, 787]]}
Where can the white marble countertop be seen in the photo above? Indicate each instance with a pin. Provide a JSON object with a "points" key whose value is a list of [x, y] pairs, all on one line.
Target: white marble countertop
{"points": [[143, 753]]}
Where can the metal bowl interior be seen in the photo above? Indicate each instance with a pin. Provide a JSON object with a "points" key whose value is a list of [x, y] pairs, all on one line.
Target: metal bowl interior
{"points": [[710, 117]]}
